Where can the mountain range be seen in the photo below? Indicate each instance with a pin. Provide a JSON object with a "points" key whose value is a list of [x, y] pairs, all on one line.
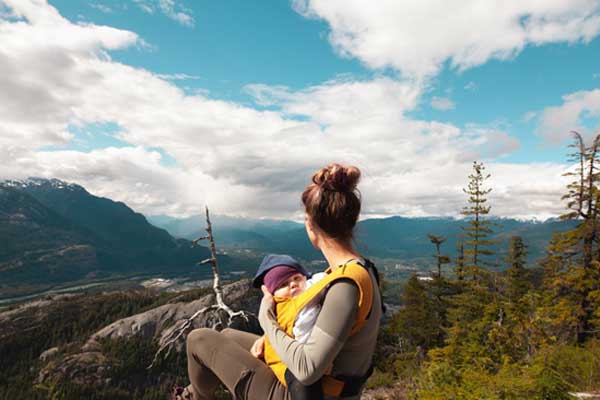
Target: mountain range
{"points": [[395, 237], [53, 232]]}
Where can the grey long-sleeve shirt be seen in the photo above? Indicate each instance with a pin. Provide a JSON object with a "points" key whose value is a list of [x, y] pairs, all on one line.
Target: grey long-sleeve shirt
{"points": [[329, 341]]}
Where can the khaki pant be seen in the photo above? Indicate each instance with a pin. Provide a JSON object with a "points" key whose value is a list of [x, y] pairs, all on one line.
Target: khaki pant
{"points": [[225, 357]]}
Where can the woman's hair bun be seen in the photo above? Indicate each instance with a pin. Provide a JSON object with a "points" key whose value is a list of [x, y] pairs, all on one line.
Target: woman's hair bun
{"points": [[338, 178], [332, 200]]}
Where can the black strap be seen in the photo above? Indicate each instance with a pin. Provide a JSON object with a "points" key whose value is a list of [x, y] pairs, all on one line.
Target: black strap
{"points": [[298, 391], [370, 266], [353, 384]]}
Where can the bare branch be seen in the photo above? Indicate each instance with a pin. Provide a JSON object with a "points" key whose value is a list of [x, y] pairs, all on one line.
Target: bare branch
{"points": [[181, 328], [195, 241]]}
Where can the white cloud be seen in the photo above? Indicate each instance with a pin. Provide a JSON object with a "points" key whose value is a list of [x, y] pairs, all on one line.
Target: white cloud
{"points": [[417, 37], [169, 8], [178, 77], [488, 142], [101, 7], [342, 100], [529, 115], [145, 6], [519, 191], [442, 103], [557, 122], [135, 176], [55, 74], [471, 86]]}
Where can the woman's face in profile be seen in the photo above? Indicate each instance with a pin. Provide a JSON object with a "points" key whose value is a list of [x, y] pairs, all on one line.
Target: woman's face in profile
{"points": [[312, 236]]}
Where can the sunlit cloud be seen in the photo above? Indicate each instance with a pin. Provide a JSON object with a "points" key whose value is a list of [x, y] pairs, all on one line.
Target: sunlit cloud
{"points": [[442, 103], [416, 38], [170, 8], [240, 159]]}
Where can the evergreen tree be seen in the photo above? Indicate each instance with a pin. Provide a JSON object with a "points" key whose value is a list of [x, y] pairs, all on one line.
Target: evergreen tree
{"points": [[583, 197], [440, 287], [551, 385], [417, 322], [517, 275], [520, 341], [478, 229], [460, 262], [575, 264], [440, 258]]}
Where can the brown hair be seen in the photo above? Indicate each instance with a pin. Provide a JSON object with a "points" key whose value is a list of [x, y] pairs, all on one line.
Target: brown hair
{"points": [[332, 200]]}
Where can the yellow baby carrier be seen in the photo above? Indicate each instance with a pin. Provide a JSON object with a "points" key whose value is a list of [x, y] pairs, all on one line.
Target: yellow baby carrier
{"points": [[288, 308]]}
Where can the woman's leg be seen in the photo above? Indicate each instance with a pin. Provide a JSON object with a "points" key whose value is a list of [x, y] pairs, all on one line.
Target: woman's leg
{"points": [[244, 339], [215, 357]]}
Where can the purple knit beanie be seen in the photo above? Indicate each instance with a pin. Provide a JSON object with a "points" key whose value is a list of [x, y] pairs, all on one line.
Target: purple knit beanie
{"points": [[277, 275]]}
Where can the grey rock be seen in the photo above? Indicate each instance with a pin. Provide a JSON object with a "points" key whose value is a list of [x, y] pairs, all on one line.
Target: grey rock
{"points": [[152, 323], [51, 352], [91, 367]]}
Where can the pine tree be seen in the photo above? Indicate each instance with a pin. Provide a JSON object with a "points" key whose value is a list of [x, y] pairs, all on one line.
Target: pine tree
{"points": [[575, 263], [440, 258], [549, 382], [460, 262], [439, 286], [517, 275], [583, 197], [417, 322], [478, 229]]}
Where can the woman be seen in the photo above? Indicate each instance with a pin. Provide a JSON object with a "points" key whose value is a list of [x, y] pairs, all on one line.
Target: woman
{"points": [[332, 207]]}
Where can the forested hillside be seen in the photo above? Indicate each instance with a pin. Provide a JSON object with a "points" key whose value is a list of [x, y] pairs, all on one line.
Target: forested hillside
{"points": [[400, 238], [53, 232], [32, 336], [508, 329]]}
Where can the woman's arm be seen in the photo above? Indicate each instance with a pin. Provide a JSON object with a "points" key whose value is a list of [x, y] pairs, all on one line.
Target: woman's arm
{"points": [[309, 361]]}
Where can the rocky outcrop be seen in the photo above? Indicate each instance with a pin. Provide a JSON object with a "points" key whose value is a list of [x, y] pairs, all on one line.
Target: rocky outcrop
{"points": [[48, 354], [586, 395], [89, 366], [156, 322], [394, 392]]}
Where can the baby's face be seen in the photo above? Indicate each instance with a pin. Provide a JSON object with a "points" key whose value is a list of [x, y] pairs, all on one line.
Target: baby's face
{"points": [[292, 287]]}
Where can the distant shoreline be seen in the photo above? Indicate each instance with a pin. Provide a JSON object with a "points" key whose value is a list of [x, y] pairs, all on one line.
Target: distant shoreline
{"points": [[115, 282], [121, 282]]}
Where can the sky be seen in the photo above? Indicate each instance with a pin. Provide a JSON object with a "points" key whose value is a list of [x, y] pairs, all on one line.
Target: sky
{"points": [[168, 105]]}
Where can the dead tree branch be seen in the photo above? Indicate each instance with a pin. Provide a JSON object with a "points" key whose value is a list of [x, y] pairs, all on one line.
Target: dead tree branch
{"points": [[171, 336]]}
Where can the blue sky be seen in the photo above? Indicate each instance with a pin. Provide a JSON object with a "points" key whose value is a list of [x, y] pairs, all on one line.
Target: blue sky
{"points": [[235, 87], [236, 43]]}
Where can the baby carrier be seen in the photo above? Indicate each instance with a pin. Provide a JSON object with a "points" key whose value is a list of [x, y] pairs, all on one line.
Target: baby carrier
{"points": [[288, 308]]}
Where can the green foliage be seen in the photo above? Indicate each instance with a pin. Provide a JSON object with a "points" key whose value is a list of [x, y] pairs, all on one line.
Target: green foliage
{"points": [[478, 229], [549, 384], [439, 257], [380, 379], [510, 335], [417, 324], [581, 246], [517, 275], [551, 375]]}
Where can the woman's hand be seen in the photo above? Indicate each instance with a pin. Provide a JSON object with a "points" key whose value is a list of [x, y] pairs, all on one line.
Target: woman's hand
{"points": [[266, 313], [267, 300], [258, 348]]}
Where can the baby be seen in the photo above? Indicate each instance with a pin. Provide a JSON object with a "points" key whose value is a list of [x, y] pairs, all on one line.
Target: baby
{"points": [[285, 277]]}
